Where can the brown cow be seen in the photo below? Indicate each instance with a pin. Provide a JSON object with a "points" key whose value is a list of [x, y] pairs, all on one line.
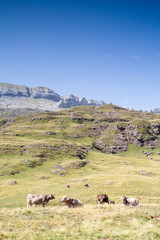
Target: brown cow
{"points": [[71, 202], [38, 199], [102, 198]]}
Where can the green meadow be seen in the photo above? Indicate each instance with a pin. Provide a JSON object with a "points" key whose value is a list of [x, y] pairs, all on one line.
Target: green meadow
{"points": [[43, 153]]}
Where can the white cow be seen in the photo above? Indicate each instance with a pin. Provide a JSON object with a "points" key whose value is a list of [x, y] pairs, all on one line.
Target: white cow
{"points": [[71, 202], [38, 199], [129, 201]]}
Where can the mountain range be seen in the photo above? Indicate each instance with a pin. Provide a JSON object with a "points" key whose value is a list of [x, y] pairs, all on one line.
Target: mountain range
{"points": [[19, 98], [41, 98]]}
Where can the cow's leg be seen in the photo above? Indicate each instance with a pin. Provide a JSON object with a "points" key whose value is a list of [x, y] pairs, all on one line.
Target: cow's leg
{"points": [[28, 204]]}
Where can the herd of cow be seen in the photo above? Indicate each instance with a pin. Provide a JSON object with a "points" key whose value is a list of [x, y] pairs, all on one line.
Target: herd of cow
{"points": [[73, 203]]}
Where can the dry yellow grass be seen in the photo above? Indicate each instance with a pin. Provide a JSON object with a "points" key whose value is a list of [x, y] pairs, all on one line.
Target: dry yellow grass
{"points": [[90, 222]]}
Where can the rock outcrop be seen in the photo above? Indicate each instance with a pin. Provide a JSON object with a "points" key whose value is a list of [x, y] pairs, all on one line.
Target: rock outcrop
{"points": [[139, 132], [155, 110], [42, 92], [70, 101], [11, 90]]}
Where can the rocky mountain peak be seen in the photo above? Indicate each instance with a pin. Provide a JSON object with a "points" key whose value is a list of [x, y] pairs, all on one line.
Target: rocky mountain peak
{"points": [[13, 90], [17, 96], [43, 92]]}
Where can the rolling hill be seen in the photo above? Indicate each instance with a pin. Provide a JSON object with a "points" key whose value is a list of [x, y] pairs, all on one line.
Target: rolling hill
{"points": [[113, 150]]}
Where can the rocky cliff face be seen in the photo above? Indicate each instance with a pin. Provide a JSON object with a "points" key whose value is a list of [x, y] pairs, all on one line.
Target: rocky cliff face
{"points": [[13, 96], [118, 137], [155, 110], [11, 90], [41, 92]]}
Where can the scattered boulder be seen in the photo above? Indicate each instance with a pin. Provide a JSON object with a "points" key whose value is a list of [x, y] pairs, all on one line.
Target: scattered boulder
{"points": [[58, 172], [84, 180], [116, 149], [51, 133], [143, 172], [55, 172], [63, 174], [76, 164], [110, 183], [59, 167], [12, 182], [44, 177], [28, 164], [86, 185], [150, 153], [82, 153]]}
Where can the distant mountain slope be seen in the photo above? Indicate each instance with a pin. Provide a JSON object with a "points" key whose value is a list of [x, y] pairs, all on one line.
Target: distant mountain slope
{"points": [[16, 96], [75, 132], [155, 110]]}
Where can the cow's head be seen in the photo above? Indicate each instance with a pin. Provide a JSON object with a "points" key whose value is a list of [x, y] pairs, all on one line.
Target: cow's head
{"points": [[50, 196], [64, 199], [124, 199]]}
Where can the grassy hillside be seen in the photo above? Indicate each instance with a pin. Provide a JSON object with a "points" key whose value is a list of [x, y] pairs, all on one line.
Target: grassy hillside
{"points": [[11, 113], [43, 153]]}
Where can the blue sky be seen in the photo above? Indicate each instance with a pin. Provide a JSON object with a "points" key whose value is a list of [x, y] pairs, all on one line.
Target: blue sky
{"points": [[99, 49]]}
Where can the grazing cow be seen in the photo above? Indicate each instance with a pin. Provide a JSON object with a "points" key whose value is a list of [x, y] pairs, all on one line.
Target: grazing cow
{"points": [[71, 202], [111, 202], [102, 198], [38, 199], [129, 201]]}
